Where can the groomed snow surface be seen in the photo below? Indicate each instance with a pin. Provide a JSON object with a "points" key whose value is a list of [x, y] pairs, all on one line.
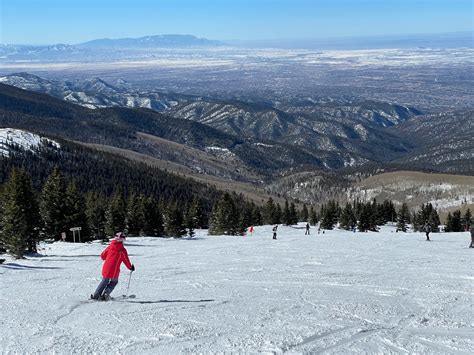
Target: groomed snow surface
{"points": [[334, 293]]}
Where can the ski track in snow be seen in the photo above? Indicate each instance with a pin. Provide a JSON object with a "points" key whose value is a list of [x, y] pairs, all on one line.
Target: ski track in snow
{"points": [[332, 293]]}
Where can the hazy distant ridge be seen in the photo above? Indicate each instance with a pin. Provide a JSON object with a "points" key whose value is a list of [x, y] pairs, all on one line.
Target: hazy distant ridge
{"points": [[158, 41]]}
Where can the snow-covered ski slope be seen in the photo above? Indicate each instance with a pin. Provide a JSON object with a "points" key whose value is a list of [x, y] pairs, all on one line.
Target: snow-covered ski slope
{"points": [[337, 293]]}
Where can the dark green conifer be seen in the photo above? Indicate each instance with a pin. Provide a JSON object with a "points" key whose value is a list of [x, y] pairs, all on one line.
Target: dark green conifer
{"points": [[225, 217], [403, 218], [467, 219], [174, 221], [313, 216], [116, 214], [53, 206], [304, 214], [75, 212], [454, 223], [347, 219], [153, 226], [96, 207], [19, 221]]}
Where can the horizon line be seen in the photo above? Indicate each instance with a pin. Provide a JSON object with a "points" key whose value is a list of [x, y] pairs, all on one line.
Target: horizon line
{"points": [[378, 36]]}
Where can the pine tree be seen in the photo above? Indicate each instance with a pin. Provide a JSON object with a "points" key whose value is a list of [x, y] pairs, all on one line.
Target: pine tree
{"points": [[304, 213], [269, 212], [286, 214], [257, 216], [403, 218], [200, 219], [329, 215], [313, 216], [225, 217], [96, 206], [434, 221], [190, 222], [193, 217], [293, 214], [467, 220], [388, 211], [174, 221], [278, 214], [347, 219], [153, 218], [246, 216], [116, 214], [135, 214], [75, 212], [366, 219], [19, 223], [415, 221], [454, 223], [427, 215], [53, 205], [378, 216]]}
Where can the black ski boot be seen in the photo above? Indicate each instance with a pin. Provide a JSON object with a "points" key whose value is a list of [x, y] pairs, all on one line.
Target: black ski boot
{"points": [[105, 297]]}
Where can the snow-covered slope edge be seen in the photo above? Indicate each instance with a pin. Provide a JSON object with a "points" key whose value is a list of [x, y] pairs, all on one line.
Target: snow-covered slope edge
{"points": [[26, 140]]}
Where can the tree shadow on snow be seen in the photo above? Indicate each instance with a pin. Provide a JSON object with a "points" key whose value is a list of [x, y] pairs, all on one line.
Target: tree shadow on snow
{"points": [[14, 266]]}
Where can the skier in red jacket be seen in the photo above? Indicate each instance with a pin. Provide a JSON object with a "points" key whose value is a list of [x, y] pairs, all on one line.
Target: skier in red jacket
{"points": [[113, 255]]}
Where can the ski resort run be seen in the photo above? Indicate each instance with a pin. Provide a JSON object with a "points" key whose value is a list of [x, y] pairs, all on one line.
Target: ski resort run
{"points": [[334, 293]]}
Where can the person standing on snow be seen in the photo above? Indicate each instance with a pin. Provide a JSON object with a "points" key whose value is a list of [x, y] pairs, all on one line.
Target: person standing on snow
{"points": [[113, 256], [307, 229], [275, 231], [427, 231]]}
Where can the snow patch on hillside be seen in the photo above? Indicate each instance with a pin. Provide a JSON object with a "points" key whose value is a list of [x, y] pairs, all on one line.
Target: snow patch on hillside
{"points": [[25, 140], [220, 152]]}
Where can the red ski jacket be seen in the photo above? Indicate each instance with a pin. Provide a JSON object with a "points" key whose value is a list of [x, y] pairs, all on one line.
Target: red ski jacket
{"points": [[114, 255]]}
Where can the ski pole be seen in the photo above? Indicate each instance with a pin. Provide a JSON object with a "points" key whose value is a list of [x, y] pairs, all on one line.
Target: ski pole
{"points": [[128, 286]]}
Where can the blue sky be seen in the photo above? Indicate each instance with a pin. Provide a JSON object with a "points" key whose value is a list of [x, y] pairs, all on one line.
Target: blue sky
{"points": [[74, 21]]}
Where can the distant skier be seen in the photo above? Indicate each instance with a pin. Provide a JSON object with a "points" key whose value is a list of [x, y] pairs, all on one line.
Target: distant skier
{"points": [[275, 231], [427, 232], [113, 256], [472, 236], [307, 229], [251, 230]]}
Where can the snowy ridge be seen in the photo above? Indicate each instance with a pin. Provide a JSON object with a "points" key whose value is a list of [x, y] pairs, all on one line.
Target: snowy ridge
{"points": [[23, 139]]}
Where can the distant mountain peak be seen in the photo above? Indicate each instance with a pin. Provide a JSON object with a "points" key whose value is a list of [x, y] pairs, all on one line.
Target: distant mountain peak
{"points": [[155, 41]]}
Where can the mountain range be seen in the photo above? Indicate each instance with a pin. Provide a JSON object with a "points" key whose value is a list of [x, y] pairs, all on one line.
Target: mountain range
{"points": [[157, 41], [298, 146], [322, 134]]}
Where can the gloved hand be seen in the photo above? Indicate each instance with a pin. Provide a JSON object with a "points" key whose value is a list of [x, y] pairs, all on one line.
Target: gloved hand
{"points": [[133, 268]]}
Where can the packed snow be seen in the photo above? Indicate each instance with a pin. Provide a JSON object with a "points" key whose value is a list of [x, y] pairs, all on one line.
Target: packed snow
{"points": [[337, 292], [23, 139]]}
